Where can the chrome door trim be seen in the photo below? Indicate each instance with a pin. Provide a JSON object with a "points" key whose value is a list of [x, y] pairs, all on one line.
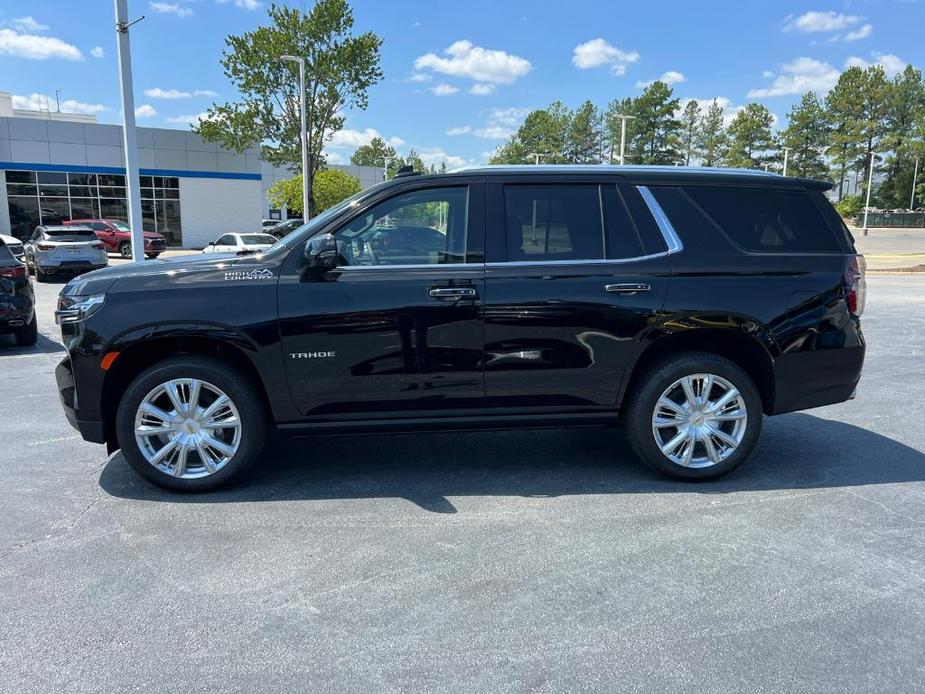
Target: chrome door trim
{"points": [[671, 237]]}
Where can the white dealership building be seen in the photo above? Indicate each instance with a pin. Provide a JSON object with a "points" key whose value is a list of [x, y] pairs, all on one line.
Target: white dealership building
{"points": [[56, 166]]}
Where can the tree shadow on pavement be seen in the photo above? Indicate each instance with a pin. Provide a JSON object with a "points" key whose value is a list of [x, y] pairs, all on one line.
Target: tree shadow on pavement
{"points": [[796, 451]]}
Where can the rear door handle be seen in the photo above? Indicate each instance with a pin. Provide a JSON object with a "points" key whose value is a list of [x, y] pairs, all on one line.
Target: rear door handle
{"points": [[631, 288], [452, 292]]}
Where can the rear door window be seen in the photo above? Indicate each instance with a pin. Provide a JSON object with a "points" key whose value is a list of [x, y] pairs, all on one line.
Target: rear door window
{"points": [[70, 234], [764, 220], [553, 222]]}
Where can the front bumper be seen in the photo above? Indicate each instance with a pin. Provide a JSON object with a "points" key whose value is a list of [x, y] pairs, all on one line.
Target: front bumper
{"points": [[90, 429]]}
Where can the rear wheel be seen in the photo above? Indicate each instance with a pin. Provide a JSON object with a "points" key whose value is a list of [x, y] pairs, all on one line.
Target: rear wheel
{"points": [[27, 335], [40, 275], [697, 416], [125, 250], [152, 256], [191, 424]]}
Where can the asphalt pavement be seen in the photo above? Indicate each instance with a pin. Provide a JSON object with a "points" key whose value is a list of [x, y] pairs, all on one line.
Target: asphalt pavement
{"points": [[492, 562]]}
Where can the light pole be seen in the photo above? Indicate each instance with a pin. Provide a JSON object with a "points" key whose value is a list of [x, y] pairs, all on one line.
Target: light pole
{"points": [[306, 191], [536, 156], [786, 157], [623, 118], [870, 180], [915, 180], [129, 137]]}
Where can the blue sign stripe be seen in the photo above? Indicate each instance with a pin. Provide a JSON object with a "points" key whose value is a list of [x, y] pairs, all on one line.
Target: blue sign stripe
{"points": [[74, 168]]}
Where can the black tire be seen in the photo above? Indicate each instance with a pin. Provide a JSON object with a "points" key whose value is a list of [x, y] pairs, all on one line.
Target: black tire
{"points": [[639, 427], [125, 250], [27, 335], [40, 275], [152, 256], [240, 389]]}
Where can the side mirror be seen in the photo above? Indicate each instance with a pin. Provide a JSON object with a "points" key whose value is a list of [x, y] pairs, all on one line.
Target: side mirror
{"points": [[211, 243], [320, 257]]}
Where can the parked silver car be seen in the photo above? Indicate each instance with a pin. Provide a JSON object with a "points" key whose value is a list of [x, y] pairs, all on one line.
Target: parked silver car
{"points": [[15, 246], [53, 249]]}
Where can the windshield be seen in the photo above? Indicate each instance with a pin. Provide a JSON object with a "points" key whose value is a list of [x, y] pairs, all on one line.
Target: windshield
{"points": [[249, 239], [121, 226], [312, 225]]}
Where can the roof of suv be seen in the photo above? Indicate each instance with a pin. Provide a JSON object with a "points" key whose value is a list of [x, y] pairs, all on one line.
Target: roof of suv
{"points": [[652, 174]]}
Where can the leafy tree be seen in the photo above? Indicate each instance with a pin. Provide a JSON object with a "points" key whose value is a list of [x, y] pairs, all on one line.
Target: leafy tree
{"points": [[583, 144], [329, 187], [712, 140], [905, 109], [750, 139], [806, 135], [690, 132], [376, 153], [844, 106], [655, 130], [339, 69], [850, 206]]}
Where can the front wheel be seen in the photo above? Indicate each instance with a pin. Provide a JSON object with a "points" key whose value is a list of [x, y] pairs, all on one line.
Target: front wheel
{"points": [[191, 424], [152, 256], [696, 416], [125, 250]]}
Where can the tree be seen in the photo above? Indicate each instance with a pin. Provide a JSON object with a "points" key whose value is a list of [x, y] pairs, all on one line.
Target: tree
{"points": [[339, 69], [655, 130], [874, 109], [806, 135], [583, 144], [750, 138], [905, 108], [690, 131], [712, 140], [844, 106], [329, 187], [613, 125], [544, 132], [376, 153]]}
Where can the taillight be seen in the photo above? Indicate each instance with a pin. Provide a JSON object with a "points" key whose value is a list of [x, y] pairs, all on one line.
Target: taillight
{"points": [[44, 247], [97, 246], [13, 273], [855, 284]]}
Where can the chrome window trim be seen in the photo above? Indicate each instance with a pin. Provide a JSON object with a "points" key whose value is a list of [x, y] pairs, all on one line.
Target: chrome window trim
{"points": [[605, 261], [422, 266], [672, 240]]}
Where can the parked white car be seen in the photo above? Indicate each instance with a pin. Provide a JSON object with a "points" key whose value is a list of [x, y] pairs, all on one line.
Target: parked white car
{"points": [[14, 244], [241, 243], [53, 249]]}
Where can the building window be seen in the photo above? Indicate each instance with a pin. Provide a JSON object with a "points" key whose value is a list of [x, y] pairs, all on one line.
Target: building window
{"points": [[51, 197]]}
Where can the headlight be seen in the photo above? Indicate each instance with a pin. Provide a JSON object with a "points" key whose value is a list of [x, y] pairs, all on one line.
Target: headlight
{"points": [[75, 308]]}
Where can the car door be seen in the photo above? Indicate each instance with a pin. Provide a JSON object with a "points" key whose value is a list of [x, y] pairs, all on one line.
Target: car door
{"points": [[225, 244], [576, 275], [395, 330]]}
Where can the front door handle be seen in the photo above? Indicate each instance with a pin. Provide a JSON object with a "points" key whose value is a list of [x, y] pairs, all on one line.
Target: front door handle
{"points": [[630, 288], [452, 292]]}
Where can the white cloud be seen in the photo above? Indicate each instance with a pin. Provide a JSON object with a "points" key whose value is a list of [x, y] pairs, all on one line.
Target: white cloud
{"points": [[598, 52], [476, 63], [97, 52], [499, 125], [145, 111], [420, 77], [36, 47], [482, 89], [459, 130], [860, 33], [508, 116], [332, 157], [243, 4], [436, 156], [189, 119], [892, 65], [158, 93], [43, 102], [800, 75], [767, 74], [170, 8], [356, 138], [729, 109], [28, 24], [444, 89], [669, 78], [818, 22], [493, 132]]}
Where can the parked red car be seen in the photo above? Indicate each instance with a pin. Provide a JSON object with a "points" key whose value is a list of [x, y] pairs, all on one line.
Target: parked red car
{"points": [[117, 236]]}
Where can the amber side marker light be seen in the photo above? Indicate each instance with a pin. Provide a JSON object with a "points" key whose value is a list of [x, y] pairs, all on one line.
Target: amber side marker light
{"points": [[107, 360]]}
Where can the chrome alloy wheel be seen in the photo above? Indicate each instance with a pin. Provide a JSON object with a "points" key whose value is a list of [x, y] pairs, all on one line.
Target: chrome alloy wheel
{"points": [[699, 420], [187, 428]]}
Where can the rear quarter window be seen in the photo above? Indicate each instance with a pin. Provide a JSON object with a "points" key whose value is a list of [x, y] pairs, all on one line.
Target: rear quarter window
{"points": [[764, 220]]}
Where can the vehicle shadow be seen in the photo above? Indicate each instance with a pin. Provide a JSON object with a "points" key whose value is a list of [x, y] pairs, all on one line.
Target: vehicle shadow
{"points": [[797, 451], [44, 345]]}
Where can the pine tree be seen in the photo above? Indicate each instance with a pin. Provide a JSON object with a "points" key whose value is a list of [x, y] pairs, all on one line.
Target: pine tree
{"points": [[905, 105], [655, 130], [712, 141], [544, 132], [844, 106], [750, 139], [690, 132], [613, 127], [583, 144], [806, 135]]}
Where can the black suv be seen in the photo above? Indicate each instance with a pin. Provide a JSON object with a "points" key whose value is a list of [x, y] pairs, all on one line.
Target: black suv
{"points": [[685, 303], [17, 302]]}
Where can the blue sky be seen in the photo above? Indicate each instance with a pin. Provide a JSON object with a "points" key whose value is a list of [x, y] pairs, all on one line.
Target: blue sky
{"points": [[460, 76]]}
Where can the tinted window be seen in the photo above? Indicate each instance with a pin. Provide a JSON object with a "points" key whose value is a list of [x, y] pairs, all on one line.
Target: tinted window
{"points": [[622, 238], [766, 220], [226, 240], [57, 234], [553, 222], [423, 227], [652, 239], [258, 238]]}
